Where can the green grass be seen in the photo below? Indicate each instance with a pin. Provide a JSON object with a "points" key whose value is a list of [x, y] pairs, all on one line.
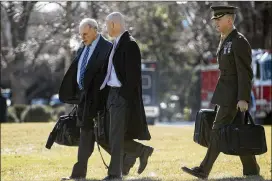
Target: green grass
{"points": [[24, 157]]}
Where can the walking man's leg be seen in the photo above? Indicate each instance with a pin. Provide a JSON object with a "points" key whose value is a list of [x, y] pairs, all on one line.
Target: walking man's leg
{"points": [[250, 165], [129, 159], [224, 116], [116, 106], [85, 149], [136, 149]]}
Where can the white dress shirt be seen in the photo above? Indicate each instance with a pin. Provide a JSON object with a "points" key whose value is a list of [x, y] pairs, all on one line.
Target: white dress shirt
{"points": [[111, 77]]}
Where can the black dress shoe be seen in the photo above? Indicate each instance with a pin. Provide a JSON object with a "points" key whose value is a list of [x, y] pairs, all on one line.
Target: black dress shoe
{"points": [[252, 174], [255, 172], [72, 178], [112, 177], [129, 161], [196, 171], [144, 158]]}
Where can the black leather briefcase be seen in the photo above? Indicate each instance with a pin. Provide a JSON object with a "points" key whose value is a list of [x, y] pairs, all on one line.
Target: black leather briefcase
{"points": [[203, 126], [65, 131], [243, 139]]}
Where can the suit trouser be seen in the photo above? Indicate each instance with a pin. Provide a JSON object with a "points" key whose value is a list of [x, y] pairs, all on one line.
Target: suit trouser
{"points": [[226, 115], [85, 150], [117, 109]]}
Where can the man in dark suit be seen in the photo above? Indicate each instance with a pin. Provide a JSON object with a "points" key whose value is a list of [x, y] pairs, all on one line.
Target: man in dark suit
{"points": [[233, 88], [81, 85], [3, 111], [125, 105]]}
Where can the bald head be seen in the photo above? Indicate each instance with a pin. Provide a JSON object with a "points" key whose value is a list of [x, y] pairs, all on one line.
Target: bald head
{"points": [[116, 17], [115, 24]]}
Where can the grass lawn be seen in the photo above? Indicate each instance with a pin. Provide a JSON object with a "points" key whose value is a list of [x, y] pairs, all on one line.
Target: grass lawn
{"points": [[25, 158]]}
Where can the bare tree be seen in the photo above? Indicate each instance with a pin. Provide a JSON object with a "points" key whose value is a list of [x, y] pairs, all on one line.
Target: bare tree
{"points": [[20, 53]]}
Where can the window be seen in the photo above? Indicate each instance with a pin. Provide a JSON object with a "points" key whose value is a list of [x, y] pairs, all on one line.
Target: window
{"points": [[267, 66], [258, 71], [146, 81], [146, 99]]}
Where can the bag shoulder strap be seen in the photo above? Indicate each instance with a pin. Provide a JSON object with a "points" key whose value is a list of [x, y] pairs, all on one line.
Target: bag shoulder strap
{"points": [[73, 111], [101, 155], [96, 139], [215, 108], [97, 142]]}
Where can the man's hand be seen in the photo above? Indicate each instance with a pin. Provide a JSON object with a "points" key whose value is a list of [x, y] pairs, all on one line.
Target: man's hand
{"points": [[243, 105]]}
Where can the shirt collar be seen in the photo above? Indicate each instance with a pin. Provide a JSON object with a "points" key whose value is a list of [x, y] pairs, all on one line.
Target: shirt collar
{"points": [[227, 35], [118, 37], [96, 40]]}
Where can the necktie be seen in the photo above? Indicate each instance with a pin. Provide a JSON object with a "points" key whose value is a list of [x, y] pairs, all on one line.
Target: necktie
{"points": [[83, 67], [109, 66]]}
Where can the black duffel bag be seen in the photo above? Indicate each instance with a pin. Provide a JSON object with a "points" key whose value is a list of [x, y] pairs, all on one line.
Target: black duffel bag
{"points": [[203, 126], [243, 139], [65, 132]]}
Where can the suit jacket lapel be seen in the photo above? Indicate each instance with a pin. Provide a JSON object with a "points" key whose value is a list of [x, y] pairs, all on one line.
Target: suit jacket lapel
{"points": [[92, 63], [226, 39], [79, 52], [122, 38], [93, 59]]}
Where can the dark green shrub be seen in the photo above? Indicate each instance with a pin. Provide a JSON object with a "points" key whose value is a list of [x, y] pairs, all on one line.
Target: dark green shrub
{"points": [[37, 113], [19, 108], [12, 117]]}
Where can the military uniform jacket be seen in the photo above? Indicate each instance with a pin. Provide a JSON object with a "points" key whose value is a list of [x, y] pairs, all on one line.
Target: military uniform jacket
{"points": [[235, 81]]}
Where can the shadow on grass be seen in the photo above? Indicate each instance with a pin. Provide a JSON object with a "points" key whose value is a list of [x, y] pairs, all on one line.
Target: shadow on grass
{"points": [[127, 179], [249, 178]]}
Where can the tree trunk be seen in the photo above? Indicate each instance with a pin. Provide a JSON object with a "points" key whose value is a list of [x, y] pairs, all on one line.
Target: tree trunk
{"points": [[18, 92], [18, 84], [68, 52]]}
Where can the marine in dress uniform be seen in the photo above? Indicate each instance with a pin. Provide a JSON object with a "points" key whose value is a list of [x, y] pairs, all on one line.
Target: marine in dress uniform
{"points": [[232, 90]]}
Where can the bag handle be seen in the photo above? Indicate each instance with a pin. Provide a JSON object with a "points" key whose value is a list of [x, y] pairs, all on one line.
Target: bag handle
{"points": [[249, 118], [215, 108], [73, 112]]}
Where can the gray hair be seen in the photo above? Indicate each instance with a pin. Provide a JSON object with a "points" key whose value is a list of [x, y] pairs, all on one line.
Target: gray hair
{"points": [[116, 17], [90, 22], [233, 17]]}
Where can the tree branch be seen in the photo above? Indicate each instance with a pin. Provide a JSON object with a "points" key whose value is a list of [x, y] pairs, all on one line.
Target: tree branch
{"points": [[27, 9], [13, 25], [38, 8], [43, 42], [77, 5], [5, 8], [58, 3], [4, 57]]}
